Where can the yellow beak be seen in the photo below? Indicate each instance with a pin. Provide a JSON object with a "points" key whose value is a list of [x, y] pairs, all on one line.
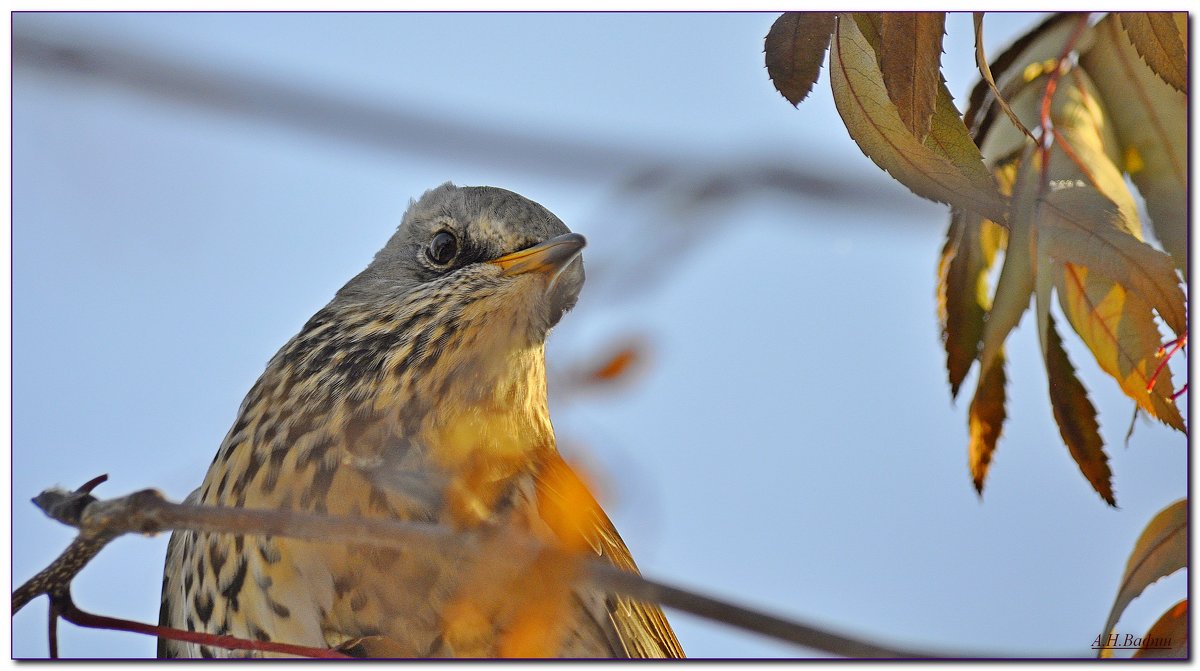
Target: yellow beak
{"points": [[549, 257]]}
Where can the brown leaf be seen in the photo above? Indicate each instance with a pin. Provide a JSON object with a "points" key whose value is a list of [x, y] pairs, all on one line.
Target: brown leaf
{"points": [[795, 48], [964, 290], [1119, 329], [1150, 121], [1161, 39], [1160, 551], [1076, 417], [874, 122], [1168, 637], [985, 420], [985, 71], [910, 57]]}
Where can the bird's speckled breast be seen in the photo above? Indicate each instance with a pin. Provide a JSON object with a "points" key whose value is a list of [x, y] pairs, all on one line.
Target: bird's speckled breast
{"points": [[342, 429]]}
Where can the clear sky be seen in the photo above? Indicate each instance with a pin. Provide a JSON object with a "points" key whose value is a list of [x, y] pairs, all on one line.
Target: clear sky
{"points": [[789, 441]]}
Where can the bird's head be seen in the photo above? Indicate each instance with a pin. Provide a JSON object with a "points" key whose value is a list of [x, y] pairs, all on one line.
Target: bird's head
{"points": [[480, 257]]}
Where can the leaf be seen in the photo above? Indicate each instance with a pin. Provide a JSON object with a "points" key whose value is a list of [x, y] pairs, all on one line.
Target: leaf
{"points": [[910, 58], [1168, 637], [1160, 551], [1119, 329], [1075, 106], [616, 366], [1076, 417], [873, 121], [1043, 284], [1089, 215], [963, 289], [1079, 225], [1044, 42], [1160, 38], [985, 72], [795, 47], [1150, 122], [1016, 282], [985, 421]]}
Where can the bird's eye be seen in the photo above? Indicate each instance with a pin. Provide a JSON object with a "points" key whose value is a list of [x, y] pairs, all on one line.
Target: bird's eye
{"points": [[442, 248]]}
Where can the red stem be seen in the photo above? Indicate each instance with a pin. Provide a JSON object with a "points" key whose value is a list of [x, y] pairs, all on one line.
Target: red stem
{"points": [[1175, 347], [71, 613]]}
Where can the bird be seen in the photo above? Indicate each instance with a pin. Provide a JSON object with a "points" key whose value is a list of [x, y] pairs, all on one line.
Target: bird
{"points": [[417, 393]]}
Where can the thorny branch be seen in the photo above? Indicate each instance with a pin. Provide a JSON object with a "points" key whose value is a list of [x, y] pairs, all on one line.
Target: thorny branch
{"points": [[148, 512]]}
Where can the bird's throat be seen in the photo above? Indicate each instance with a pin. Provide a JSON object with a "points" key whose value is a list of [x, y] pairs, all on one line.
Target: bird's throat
{"points": [[485, 436]]}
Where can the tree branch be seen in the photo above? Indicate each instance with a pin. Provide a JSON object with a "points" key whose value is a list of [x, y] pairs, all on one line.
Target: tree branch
{"points": [[148, 512]]}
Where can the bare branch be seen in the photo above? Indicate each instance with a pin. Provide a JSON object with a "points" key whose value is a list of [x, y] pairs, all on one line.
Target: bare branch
{"points": [[147, 512]]}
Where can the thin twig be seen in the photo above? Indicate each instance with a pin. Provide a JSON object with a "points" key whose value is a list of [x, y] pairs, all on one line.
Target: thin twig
{"points": [[73, 614]]}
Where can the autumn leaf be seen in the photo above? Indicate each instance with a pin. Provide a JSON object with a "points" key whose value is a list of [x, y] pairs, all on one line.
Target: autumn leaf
{"points": [[910, 60], [1076, 106], [1160, 551], [1150, 122], [617, 365], [1016, 282], [1119, 329], [964, 290], [985, 71], [795, 47], [1079, 225], [1161, 39], [1076, 417], [1168, 636], [1011, 69], [566, 505], [539, 627], [985, 420], [937, 168]]}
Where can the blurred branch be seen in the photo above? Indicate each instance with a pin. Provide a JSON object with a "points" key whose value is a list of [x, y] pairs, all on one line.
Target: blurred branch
{"points": [[398, 130], [147, 512]]}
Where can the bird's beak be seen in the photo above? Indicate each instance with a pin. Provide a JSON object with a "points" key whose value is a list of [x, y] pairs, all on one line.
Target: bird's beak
{"points": [[549, 257]]}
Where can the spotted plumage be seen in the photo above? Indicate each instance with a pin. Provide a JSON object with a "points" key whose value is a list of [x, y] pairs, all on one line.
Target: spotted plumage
{"points": [[417, 393]]}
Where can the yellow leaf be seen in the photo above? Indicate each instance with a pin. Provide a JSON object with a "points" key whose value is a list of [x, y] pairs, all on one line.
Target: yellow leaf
{"points": [[1076, 417], [910, 58], [795, 47], [1161, 39], [1088, 214], [1075, 106], [875, 124], [566, 504], [1078, 224], [985, 420], [1160, 551], [1168, 637], [1133, 161], [539, 625], [1150, 121], [1119, 329]]}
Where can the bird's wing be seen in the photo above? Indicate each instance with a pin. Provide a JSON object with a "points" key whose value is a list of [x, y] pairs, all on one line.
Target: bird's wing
{"points": [[641, 628], [173, 611]]}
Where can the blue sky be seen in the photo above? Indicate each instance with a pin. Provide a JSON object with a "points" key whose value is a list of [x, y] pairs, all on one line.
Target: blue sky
{"points": [[789, 443]]}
